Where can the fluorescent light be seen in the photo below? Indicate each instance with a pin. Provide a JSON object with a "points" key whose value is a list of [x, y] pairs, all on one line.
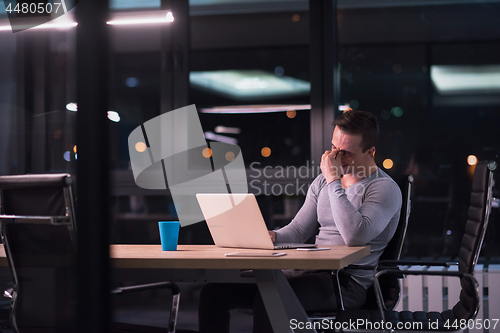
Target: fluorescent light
{"points": [[114, 116], [248, 84], [467, 79], [56, 25], [221, 138], [344, 107], [61, 22], [126, 18], [72, 107], [227, 130], [251, 83], [146, 17], [239, 109]]}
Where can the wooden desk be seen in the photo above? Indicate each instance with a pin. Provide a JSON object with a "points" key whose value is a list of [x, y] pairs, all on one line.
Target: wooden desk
{"points": [[212, 257], [279, 299]]}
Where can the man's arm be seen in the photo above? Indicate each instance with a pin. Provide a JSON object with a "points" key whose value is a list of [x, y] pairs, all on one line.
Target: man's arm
{"points": [[359, 226], [304, 224]]}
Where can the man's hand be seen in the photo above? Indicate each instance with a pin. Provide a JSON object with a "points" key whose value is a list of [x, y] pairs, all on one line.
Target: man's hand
{"points": [[272, 234], [331, 166]]}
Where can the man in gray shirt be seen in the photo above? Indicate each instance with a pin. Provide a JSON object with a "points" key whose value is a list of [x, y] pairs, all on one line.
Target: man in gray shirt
{"points": [[353, 202]]}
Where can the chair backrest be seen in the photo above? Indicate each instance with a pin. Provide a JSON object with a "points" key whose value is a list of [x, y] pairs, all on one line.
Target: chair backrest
{"points": [[41, 198], [39, 235], [432, 208], [393, 250], [475, 228], [390, 286], [42, 258]]}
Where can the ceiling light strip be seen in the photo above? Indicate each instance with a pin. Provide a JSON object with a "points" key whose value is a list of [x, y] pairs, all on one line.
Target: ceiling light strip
{"points": [[241, 109]]}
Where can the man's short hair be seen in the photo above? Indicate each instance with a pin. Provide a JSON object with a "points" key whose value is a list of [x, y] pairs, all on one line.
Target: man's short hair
{"points": [[355, 122]]}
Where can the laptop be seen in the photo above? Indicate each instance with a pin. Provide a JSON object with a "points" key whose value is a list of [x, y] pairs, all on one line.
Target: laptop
{"points": [[235, 220]]}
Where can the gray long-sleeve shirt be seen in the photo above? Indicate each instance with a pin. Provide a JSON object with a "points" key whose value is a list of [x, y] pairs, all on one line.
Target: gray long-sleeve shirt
{"points": [[365, 213]]}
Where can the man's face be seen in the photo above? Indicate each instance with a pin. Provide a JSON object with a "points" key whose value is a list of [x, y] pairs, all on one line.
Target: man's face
{"points": [[352, 155]]}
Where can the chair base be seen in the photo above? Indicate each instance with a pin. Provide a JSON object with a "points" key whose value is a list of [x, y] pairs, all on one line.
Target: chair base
{"points": [[418, 321]]}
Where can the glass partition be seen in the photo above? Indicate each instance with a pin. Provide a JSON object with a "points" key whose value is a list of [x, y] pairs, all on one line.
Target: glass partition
{"points": [[430, 74], [428, 70]]}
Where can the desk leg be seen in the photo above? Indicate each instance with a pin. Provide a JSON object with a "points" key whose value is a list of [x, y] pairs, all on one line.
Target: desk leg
{"points": [[280, 301]]}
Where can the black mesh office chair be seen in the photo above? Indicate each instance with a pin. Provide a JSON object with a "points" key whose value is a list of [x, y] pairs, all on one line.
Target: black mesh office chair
{"points": [[39, 236], [44, 198], [390, 286], [39, 199], [468, 304]]}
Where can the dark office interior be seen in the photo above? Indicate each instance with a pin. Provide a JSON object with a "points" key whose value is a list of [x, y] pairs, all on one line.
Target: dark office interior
{"points": [[429, 70]]}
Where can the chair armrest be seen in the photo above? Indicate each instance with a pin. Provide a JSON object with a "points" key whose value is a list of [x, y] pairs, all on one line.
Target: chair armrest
{"points": [[415, 263], [174, 310], [150, 286], [30, 180], [34, 219], [378, 290], [390, 263], [364, 267], [408, 272]]}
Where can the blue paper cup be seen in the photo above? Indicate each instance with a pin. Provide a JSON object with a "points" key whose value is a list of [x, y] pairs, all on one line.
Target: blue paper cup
{"points": [[169, 234]]}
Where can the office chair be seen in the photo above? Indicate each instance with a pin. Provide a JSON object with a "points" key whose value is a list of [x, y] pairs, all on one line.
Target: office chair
{"points": [[40, 198], [39, 236], [390, 286], [432, 207], [468, 305], [46, 198]]}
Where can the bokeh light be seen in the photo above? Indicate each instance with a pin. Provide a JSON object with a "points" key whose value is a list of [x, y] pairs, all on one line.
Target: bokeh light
{"points": [[388, 163], [207, 152], [472, 160], [230, 156], [140, 147], [72, 107], [266, 151], [291, 113], [114, 116], [397, 111], [279, 71], [132, 82], [354, 104]]}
